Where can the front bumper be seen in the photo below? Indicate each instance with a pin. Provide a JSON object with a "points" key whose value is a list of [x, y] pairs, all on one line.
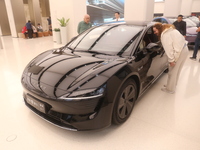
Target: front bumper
{"points": [[79, 115]]}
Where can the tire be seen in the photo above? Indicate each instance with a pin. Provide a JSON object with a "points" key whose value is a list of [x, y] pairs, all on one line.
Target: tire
{"points": [[125, 102]]}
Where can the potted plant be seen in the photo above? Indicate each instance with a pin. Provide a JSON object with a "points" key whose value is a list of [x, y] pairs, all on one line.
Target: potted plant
{"points": [[57, 35], [63, 29], [63, 22], [57, 29]]}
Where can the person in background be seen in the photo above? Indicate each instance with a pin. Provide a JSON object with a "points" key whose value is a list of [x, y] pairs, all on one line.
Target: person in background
{"points": [[117, 16], [180, 25], [39, 28], [24, 31], [176, 49], [197, 43], [50, 28], [49, 21], [84, 25], [34, 30], [29, 29]]}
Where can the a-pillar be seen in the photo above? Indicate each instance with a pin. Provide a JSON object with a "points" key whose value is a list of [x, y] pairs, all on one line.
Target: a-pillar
{"points": [[4, 24], [186, 7], [35, 11], [138, 10], [16, 17], [172, 8], [73, 9]]}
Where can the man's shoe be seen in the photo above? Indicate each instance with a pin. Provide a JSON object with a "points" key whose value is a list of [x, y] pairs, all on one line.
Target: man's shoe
{"points": [[167, 91], [193, 58]]}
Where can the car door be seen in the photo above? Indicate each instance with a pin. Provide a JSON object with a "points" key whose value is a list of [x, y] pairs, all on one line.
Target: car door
{"points": [[151, 58]]}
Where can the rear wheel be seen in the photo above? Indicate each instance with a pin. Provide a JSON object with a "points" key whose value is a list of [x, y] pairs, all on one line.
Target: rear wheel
{"points": [[125, 102]]}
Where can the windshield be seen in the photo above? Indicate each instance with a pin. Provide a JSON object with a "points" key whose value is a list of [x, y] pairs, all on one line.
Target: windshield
{"points": [[108, 39]]}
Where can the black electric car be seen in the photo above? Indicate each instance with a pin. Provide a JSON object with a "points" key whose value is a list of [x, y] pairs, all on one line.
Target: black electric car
{"points": [[95, 79]]}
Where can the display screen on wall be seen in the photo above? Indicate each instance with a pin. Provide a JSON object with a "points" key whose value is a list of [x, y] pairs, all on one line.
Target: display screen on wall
{"points": [[102, 11]]}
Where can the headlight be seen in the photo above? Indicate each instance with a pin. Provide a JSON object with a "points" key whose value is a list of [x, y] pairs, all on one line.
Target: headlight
{"points": [[84, 94]]}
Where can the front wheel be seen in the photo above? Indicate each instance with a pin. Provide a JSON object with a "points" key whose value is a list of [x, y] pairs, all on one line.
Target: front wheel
{"points": [[125, 102]]}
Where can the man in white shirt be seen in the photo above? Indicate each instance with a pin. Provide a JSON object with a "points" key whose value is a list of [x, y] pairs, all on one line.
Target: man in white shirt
{"points": [[117, 16]]}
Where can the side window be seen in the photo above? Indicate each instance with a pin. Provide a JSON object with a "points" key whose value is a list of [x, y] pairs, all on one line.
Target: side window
{"points": [[149, 37], [158, 20]]}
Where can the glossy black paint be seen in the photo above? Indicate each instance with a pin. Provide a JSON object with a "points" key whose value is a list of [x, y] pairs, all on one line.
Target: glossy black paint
{"points": [[76, 88]]}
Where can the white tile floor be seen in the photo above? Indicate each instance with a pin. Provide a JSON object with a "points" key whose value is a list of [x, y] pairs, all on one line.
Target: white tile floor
{"points": [[159, 121]]}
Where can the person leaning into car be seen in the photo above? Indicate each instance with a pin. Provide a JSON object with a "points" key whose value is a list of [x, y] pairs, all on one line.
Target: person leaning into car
{"points": [[176, 49], [180, 25], [84, 25]]}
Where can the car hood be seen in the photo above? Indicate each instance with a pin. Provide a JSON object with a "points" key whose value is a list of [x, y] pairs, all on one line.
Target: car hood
{"points": [[56, 74]]}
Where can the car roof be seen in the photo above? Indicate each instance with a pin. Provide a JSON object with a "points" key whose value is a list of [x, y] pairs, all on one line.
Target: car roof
{"points": [[136, 23]]}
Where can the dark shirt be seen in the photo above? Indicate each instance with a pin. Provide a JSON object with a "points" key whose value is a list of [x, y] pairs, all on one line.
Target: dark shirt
{"points": [[28, 26], [198, 34], [181, 27], [49, 21]]}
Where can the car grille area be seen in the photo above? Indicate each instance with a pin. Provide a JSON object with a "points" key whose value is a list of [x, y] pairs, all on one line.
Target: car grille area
{"points": [[62, 120]]}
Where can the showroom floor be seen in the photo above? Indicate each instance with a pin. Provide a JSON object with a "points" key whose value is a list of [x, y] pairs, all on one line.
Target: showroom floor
{"points": [[159, 121]]}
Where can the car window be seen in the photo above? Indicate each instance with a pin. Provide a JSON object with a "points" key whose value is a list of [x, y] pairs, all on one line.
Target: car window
{"points": [[158, 20], [107, 39], [148, 38], [164, 21]]}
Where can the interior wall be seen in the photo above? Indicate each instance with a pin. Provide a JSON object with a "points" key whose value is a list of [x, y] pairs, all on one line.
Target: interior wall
{"points": [[196, 6], [26, 12], [159, 7], [45, 11], [73, 9], [18, 13], [141, 11], [4, 24]]}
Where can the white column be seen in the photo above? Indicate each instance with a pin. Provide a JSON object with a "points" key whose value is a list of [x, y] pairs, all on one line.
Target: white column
{"points": [[186, 7], [172, 8], [1, 45], [35, 11], [138, 10], [195, 5], [16, 17], [159, 7], [4, 27], [73, 9]]}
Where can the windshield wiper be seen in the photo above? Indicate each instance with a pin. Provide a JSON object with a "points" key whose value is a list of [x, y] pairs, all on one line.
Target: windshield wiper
{"points": [[70, 49], [95, 52]]}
